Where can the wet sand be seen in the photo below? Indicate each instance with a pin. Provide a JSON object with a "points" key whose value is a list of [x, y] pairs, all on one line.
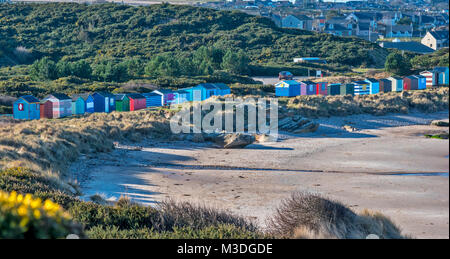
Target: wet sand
{"points": [[362, 169]]}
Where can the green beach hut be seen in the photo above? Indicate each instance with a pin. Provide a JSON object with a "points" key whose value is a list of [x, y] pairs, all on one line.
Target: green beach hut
{"points": [[122, 103]]}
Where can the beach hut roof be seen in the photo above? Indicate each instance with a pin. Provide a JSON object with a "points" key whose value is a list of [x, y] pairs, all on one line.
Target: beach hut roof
{"points": [[106, 94], [411, 77], [136, 96], [164, 91], [30, 99], [289, 82], [372, 80], [150, 94], [222, 86], [440, 69], [396, 77], [120, 97], [76, 96], [307, 82], [60, 96], [360, 82], [207, 86], [385, 80], [182, 92], [419, 76]]}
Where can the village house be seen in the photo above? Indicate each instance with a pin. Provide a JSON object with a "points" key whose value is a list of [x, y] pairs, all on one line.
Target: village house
{"points": [[297, 21], [437, 39]]}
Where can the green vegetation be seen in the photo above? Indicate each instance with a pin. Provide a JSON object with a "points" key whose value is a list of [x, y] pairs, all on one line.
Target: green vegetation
{"points": [[75, 47], [436, 59], [397, 64]]}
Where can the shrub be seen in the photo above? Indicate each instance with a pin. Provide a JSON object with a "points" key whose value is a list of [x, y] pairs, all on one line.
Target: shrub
{"points": [[22, 216], [306, 215]]}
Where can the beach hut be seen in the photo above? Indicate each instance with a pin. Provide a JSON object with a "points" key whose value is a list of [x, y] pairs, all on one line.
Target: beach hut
{"points": [[430, 78], [137, 102], [361, 87], [374, 85], [322, 88], [153, 99], [396, 83], [60, 106], [334, 89], [441, 75], [122, 103], [194, 93], [347, 89], [79, 103], [421, 82], [27, 107], [46, 110], [180, 96], [385, 85], [308, 88], [104, 102], [287, 88], [167, 96], [223, 89], [410, 83], [208, 90]]}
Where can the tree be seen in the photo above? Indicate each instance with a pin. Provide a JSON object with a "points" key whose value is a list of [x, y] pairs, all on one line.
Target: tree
{"points": [[397, 64], [44, 69], [236, 63]]}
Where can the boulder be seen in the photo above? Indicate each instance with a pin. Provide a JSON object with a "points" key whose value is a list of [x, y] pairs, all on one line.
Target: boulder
{"points": [[440, 123], [234, 140]]}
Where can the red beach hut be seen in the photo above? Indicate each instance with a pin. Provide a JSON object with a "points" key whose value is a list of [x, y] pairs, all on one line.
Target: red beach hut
{"points": [[137, 102]]}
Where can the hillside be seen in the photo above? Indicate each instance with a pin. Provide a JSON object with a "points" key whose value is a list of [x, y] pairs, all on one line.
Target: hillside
{"points": [[117, 43]]}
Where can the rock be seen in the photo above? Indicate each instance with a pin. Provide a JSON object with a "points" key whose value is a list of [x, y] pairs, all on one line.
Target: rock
{"points": [[440, 123], [308, 127], [349, 128], [234, 140], [261, 138], [198, 138]]}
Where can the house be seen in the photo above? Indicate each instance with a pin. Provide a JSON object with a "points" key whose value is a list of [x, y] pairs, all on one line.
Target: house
{"points": [[410, 83], [223, 89], [421, 82], [430, 78], [137, 102], [399, 31], [287, 88], [166, 95], [322, 88], [57, 106], [411, 46], [347, 89], [338, 29], [78, 104], [122, 103], [318, 23], [153, 99], [104, 102], [334, 89], [361, 87], [437, 39], [441, 75], [297, 22], [385, 85], [374, 85], [396, 83], [180, 96], [308, 88], [27, 107]]}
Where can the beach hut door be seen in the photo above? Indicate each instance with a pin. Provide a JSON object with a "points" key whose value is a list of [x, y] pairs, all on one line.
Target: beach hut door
{"points": [[106, 104]]}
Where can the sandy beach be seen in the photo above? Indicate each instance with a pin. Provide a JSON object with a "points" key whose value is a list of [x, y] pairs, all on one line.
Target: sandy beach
{"points": [[385, 165]]}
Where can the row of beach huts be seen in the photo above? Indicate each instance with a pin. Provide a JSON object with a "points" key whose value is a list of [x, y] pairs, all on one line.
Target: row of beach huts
{"points": [[439, 76], [60, 105]]}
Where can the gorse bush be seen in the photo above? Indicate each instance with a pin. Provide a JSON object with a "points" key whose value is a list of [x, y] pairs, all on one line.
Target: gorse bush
{"points": [[22, 216]]}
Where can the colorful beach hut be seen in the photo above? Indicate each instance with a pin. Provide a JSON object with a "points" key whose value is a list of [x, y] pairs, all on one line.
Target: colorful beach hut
{"points": [[322, 88], [166, 95], [153, 99], [308, 88], [57, 106], [46, 110], [222, 89], [334, 89], [180, 96], [441, 75], [104, 102], [347, 89], [287, 88], [410, 83], [430, 78], [385, 85], [361, 87], [27, 107], [80, 103], [421, 82], [396, 83], [122, 103], [137, 102], [374, 85]]}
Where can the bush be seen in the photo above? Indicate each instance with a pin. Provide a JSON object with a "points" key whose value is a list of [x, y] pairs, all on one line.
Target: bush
{"points": [[307, 215], [22, 216]]}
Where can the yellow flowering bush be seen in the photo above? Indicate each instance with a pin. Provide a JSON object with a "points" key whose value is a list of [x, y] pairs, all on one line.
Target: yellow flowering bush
{"points": [[22, 216]]}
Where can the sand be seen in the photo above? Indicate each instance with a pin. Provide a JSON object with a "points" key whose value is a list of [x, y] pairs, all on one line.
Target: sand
{"points": [[386, 165]]}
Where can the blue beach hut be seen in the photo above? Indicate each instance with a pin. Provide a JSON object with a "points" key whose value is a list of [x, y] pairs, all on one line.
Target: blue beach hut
{"points": [[27, 107]]}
